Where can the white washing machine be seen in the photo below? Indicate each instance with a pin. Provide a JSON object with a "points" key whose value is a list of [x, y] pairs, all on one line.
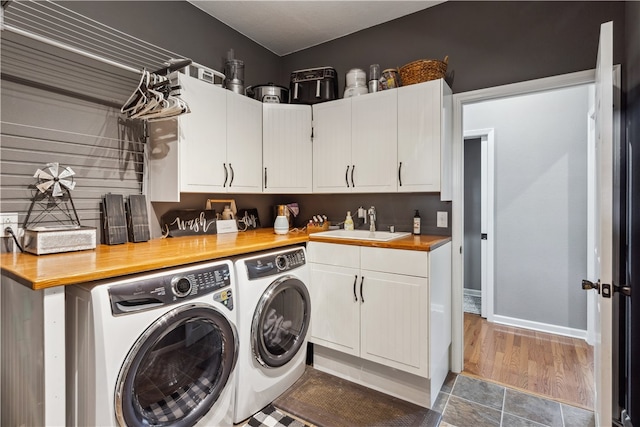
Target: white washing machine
{"points": [[153, 349], [273, 319]]}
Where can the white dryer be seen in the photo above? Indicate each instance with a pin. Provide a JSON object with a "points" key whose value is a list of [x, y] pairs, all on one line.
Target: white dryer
{"points": [[273, 319], [153, 349]]}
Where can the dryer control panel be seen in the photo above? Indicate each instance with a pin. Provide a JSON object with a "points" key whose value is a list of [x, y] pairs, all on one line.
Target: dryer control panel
{"points": [[273, 264], [157, 289]]}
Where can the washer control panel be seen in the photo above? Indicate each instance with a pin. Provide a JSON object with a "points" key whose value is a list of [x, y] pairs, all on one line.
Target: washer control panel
{"points": [[273, 264], [148, 291]]}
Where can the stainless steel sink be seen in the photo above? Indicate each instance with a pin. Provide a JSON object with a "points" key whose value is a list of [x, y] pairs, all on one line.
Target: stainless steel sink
{"points": [[378, 236]]}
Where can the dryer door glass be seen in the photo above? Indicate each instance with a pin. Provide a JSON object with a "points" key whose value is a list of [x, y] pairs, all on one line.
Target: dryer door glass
{"points": [[177, 369], [280, 322]]}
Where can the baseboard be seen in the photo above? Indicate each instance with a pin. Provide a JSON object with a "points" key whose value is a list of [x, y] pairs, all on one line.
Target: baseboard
{"points": [[473, 292], [541, 327]]}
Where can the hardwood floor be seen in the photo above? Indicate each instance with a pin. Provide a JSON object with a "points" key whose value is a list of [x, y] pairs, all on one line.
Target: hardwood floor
{"points": [[549, 365]]}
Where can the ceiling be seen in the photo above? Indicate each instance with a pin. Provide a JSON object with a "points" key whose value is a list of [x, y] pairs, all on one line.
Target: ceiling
{"points": [[285, 27]]}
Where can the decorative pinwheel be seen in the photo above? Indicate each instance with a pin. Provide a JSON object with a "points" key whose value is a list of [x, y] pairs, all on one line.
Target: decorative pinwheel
{"points": [[51, 202], [57, 177]]}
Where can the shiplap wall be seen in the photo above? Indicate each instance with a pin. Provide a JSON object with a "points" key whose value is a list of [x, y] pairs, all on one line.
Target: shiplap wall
{"points": [[59, 107]]}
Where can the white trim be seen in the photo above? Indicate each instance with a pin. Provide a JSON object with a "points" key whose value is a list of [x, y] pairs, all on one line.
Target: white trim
{"points": [[591, 209], [472, 292], [457, 220], [540, 327], [54, 355], [487, 141]]}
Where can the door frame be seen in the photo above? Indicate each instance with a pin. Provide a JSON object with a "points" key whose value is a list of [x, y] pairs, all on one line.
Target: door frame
{"points": [[457, 206], [487, 174]]}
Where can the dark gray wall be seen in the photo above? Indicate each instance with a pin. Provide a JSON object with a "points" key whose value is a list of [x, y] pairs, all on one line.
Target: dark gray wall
{"points": [[392, 209], [489, 43], [183, 28], [472, 214]]}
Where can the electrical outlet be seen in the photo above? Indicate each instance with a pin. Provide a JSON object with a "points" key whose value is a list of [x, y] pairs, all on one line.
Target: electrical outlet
{"points": [[8, 220], [442, 219]]}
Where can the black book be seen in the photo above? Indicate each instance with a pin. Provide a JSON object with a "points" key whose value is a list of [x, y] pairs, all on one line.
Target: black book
{"points": [[138, 220], [115, 223]]}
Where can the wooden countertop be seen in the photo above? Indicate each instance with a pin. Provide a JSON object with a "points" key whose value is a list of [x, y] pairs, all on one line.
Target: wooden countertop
{"points": [[411, 242], [45, 271]]}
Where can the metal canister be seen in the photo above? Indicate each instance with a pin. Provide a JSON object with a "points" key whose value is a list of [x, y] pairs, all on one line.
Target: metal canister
{"points": [[390, 78]]}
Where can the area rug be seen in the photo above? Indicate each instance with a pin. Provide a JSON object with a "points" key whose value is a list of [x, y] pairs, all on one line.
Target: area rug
{"points": [[328, 401], [271, 417]]}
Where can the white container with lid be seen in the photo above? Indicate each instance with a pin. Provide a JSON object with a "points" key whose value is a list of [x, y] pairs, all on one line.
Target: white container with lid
{"points": [[356, 77]]}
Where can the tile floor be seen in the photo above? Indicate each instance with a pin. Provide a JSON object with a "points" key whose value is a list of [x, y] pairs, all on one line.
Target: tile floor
{"points": [[468, 402], [472, 304]]}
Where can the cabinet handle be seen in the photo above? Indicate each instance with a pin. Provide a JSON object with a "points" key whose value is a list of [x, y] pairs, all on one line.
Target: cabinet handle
{"points": [[355, 296], [361, 294], [226, 174], [232, 175], [346, 176], [400, 176], [265, 177], [353, 184]]}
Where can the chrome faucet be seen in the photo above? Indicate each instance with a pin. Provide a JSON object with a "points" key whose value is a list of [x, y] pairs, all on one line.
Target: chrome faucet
{"points": [[372, 218]]}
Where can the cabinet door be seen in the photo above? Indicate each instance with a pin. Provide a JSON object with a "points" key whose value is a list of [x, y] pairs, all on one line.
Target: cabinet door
{"points": [[187, 153], [202, 137], [244, 144], [394, 321], [374, 136], [419, 136], [335, 309], [332, 146], [286, 148]]}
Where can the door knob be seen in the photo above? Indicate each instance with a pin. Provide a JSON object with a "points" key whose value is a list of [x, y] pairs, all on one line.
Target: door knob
{"points": [[587, 285]]}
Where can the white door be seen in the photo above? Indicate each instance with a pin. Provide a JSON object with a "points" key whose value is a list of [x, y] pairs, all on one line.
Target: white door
{"points": [[374, 142], [203, 137], [604, 224], [332, 146], [394, 321], [419, 136], [286, 148], [244, 144], [335, 311]]}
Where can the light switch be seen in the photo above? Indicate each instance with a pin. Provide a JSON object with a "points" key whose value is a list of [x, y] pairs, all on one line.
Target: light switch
{"points": [[442, 220]]}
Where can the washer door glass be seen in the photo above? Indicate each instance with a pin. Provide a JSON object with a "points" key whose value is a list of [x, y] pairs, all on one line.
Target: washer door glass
{"points": [[280, 322], [177, 369]]}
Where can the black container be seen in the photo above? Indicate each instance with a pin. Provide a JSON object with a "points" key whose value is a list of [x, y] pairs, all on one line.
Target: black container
{"points": [[313, 85]]}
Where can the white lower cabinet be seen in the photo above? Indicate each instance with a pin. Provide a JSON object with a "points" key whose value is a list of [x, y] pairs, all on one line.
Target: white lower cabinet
{"points": [[387, 306]]}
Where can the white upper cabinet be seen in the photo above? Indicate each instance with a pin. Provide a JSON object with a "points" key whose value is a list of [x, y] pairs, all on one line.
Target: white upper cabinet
{"points": [[186, 154], [204, 151], [424, 138], [374, 136], [355, 144], [332, 146], [287, 148], [244, 144]]}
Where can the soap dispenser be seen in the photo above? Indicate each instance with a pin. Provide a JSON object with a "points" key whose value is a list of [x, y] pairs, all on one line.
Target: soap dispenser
{"points": [[348, 222]]}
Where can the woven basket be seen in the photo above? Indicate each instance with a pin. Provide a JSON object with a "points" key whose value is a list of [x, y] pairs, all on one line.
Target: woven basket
{"points": [[423, 70]]}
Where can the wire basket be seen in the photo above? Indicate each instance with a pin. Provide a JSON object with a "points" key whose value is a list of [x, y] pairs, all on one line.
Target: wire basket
{"points": [[423, 70]]}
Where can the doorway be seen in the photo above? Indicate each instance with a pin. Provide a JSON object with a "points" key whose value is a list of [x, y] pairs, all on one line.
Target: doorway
{"points": [[530, 306], [479, 173]]}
